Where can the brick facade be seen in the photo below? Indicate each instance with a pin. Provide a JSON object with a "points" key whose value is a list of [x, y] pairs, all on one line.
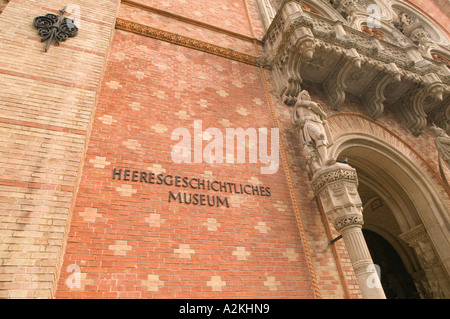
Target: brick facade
{"points": [[71, 228]]}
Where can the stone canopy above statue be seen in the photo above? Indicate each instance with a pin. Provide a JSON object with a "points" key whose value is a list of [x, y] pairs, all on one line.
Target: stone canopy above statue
{"points": [[301, 45]]}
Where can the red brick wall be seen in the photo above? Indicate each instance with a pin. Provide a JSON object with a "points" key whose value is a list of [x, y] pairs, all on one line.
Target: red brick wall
{"points": [[132, 242], [174, 23]]}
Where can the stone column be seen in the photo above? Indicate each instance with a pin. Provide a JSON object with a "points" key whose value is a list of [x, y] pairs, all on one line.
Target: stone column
{"points": [[336, 187]]}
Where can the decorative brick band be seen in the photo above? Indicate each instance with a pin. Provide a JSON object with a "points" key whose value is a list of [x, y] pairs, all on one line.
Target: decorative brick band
{"points": [[174, 38]]}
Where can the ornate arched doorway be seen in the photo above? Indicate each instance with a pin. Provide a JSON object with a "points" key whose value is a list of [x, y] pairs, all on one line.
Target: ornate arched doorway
{"points": [[403, 209]]}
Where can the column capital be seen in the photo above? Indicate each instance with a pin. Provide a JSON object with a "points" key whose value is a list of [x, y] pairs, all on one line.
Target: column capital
{"points": [[336, 186]]}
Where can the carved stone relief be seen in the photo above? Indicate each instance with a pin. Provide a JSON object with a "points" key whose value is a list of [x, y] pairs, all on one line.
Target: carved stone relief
{"points": [[428, 279], [349, 8], [391, 66]]}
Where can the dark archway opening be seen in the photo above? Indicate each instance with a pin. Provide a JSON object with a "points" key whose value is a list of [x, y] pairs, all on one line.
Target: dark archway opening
{"points": [[397, 282]]}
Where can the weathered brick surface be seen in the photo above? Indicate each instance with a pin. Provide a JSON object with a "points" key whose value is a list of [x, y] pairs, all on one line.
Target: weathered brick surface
{"points": [[175, 24], [226, 14], [46, 102], [160, 87]]}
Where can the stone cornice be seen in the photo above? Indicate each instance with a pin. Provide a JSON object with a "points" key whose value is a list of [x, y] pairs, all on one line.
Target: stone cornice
{"points": [[373, 50], [145, 30]]}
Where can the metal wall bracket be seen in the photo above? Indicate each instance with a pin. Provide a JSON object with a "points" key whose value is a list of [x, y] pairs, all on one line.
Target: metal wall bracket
{"points": [[333, 241], [52, 27]]}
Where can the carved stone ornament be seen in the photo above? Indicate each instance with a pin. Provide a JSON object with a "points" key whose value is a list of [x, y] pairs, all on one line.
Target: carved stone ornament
{"points": [[431, 277], [349, 8], [415, 235], [442, 144], [404, 21], [52, 27]]}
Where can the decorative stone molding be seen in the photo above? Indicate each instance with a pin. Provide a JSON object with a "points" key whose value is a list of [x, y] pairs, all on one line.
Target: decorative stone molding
{"points": [[348, 221], [391, 67], [373, 97], [335, 85], [410, 111], [268, 12], [415, 235], [350, 8], [302, 49], [441, 115], [162, 35], [412, 27], [336, 186]]}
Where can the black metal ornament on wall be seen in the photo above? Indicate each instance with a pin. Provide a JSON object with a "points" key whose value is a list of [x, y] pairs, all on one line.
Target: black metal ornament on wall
{"points": [[52, 27]]}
